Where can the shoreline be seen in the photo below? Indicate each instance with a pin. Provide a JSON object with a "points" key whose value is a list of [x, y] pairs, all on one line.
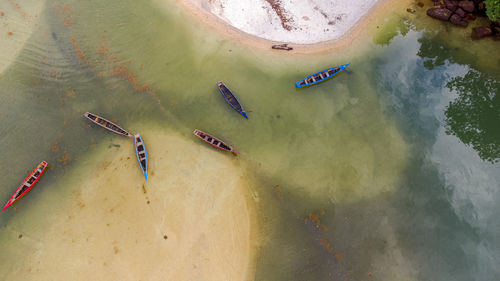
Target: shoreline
{"points": [[353, 35]]}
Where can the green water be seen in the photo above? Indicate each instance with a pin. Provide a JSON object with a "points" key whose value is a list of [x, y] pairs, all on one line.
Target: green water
{"points": [[376, 154]]}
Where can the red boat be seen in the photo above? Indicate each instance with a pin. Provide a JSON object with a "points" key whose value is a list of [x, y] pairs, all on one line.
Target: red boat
{"points": [[27, 184], [215, 142]]}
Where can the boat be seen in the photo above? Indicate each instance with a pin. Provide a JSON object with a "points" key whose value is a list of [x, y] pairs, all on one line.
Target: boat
{"points": [[106, 124], [320, 76], [282, 47], [142, 154], [27, 184], [215, 142], [231, 99]]}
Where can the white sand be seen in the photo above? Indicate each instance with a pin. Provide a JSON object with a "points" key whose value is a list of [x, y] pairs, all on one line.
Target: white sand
{"points": [[106, 230], [312, 34], [307, 22]]}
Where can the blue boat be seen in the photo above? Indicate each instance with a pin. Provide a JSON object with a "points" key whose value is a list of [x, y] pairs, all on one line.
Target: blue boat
{"points": [[320, 76], [142, 154], [231, 99]]}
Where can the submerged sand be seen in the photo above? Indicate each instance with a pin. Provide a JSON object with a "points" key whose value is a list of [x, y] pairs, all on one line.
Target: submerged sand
{"points": [[17, 22], [189, 221]]}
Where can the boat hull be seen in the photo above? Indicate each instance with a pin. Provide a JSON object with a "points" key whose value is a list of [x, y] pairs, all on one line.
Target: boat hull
{"points": [[320, 76], [231, 99], [27, 184], [282, 47], [106, 124], [215, 142], [142, 154]]}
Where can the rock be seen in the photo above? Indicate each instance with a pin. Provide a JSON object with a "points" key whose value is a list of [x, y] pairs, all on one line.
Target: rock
{"points": [[481, 32], [460, 12], [420, 4], [457, 20], [451, 5], [481, 7], [411, 11], [495, 28], [439, 13], [467, 5]]}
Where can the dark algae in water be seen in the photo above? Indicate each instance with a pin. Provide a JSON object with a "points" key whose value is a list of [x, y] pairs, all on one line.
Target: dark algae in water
{"points": [[474, 116]]}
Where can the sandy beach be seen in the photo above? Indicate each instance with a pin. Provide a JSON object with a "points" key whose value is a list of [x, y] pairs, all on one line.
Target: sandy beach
{"points": [[362, 21], [189, 221]]}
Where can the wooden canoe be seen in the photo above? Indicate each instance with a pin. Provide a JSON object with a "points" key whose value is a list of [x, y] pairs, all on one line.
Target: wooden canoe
{"points": [[320, 76], [27, 184], [142, 154], [106, 124], [231, 99], [215, 142], [282, 47]]}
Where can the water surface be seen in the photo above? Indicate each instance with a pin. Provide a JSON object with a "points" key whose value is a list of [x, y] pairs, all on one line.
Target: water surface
{"points": [[387, 172]]}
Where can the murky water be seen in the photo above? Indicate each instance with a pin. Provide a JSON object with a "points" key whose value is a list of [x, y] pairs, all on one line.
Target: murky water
{"points": [[387, 172]]}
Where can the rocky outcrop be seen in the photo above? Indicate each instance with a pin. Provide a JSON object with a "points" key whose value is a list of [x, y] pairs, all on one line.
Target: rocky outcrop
{"points": [[457, 20], [459, 12], [440, 13], [481, 7], [481, 32], [467, 6], [451, 5]]}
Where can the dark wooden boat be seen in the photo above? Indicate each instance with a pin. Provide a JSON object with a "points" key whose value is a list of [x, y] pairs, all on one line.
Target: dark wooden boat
{"points": [[27, 184], [215, 142], [106, 124], [320, 76], [142, 154], [231, 99], [282, 47]]}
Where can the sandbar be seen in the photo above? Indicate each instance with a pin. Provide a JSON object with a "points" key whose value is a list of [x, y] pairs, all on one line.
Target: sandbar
{"points": [[190, 221]]}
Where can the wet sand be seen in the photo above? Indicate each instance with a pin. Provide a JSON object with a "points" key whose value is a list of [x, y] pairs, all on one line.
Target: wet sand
{"points": [[367, 24], [190, 221]]}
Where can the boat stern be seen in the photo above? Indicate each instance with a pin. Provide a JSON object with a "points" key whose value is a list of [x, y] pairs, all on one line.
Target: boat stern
{"points": [[6, 206], [298, 85]]}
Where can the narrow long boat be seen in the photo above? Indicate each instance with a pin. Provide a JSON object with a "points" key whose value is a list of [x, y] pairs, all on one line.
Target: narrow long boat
{"points": [[215, 142], [142, 154], [27, 184], [282, 47], [106, 124], [231, 99], [320, 76]]}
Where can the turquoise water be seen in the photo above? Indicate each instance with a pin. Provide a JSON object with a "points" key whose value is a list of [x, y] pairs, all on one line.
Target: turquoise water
{"points": [[387, 172]]}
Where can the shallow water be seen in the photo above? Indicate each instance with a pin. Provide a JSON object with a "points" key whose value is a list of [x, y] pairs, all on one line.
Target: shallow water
{"points": [[388, 171]]}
